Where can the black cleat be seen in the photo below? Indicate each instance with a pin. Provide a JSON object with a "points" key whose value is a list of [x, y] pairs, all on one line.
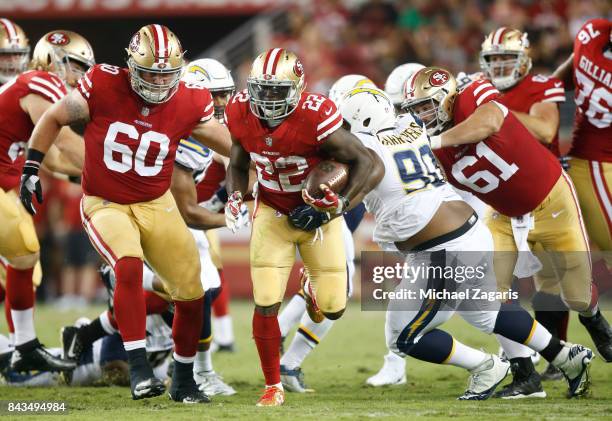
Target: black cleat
{"points": [[187, 392], [601, 333], [147, 388], [33, 356], [551, 373], [72, 346], [5, 363], [526, 381]]}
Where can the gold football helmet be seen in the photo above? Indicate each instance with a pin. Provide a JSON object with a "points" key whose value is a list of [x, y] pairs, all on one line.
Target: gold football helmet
{"points": [[155, 59], [430, 95], [504, 57], [14, 50], [275, 84], [65, 53]]}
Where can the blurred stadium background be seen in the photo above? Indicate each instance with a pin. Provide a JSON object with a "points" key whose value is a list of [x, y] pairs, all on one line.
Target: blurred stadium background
{"points": [[332, 37]]}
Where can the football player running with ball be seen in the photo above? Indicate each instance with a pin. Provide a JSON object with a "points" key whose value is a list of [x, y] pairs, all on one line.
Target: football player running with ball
{"points": [[286, 132], [58, 59], [418, 214], [485, 149], [134, 119]]}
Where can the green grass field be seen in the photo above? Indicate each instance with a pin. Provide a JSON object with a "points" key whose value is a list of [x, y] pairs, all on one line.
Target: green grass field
{"points": [[337, 370]]}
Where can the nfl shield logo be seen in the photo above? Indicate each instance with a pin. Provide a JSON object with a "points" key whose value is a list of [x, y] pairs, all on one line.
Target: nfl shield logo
{"points": [[144, 111], [268, 140]]}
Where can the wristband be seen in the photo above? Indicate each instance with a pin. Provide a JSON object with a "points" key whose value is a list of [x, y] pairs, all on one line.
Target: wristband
{"points": [[435, 142], [33, 160]]}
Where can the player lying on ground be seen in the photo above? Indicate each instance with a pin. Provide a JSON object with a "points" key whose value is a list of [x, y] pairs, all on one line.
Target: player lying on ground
{"points": [[420, 216]]}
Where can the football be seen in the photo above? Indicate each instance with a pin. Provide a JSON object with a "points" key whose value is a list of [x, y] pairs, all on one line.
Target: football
{"points": [[332, 173]]}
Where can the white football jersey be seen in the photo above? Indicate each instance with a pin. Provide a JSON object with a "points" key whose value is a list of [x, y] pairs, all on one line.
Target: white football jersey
{"points": [[413, 187]]}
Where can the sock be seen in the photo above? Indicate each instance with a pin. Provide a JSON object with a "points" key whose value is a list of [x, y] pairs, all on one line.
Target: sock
{"points": [[108, 322], [154, 303], [203, 362], [129, 302], [9, 318], [266, 333], [513, 349], [291, 314], [552, 350], [223, 329], [137, 358], [464, 356], [182, 374], [147, 278], [308, 336], [206, 331], [90, 333], [221, 303], [562, 327], [19, 293], [186, 328]]}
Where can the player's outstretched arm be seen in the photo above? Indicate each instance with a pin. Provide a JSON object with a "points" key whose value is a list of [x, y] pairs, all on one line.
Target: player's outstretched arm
{"points": [[565, 72], [485, 121], [214, 135], [184, 191], [238, 169], [344, 147], [542, 120]]}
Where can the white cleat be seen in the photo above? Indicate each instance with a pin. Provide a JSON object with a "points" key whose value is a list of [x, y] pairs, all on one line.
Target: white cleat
{"points": [[212, 384], [393, 372], [485, 378], [574, 362]]}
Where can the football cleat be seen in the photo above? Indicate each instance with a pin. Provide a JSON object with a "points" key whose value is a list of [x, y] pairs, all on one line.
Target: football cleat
{"points": [[526, 382], [312, 309], [601, 333], [551, 373], [393, 372], [273, 396], [293, 380], [37, 358], [72, 346], [212, 384], [574, 362], [147, 388], [188, 395], [485, 378]]}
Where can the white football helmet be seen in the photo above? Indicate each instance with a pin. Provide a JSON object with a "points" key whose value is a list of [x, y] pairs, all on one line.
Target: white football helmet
{"points": [[367, 109], [215, 77], [346, 83], [394, 86]]}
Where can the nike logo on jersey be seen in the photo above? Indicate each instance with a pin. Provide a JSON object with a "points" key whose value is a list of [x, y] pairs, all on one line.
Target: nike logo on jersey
{"points": [[555, 214], [558, 84], [328, 112]]}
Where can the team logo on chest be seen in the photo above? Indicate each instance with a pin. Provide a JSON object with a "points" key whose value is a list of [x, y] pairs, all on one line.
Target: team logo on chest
{"points": [[145, 111], [268, 140]]}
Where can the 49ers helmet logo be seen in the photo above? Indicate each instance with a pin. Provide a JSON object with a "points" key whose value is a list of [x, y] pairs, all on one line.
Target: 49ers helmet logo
{"points": [[135, 42], [298, 69], [58, 38], [438, 78]]}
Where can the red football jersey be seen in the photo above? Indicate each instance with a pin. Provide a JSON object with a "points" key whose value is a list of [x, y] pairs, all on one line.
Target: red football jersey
{"points": [[214, 177], [510, 170], [16, 125], [130, 145], [531, 90], [283, 155], [592, 137]]}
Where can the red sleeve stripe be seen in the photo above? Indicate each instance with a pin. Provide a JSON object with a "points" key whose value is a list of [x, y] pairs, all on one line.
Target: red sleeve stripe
{"points": [[51, 96], [331, 128], [323, 125], [84, 91], [54, 87], [89, 84], [485, 95]]}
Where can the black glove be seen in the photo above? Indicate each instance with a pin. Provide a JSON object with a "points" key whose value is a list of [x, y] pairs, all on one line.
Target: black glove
{"points": [[30, 182], [306, 218]]}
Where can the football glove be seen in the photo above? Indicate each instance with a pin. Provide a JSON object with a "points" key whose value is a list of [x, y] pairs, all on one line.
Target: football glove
{"points": [[30, 182], [331, 202], [217, 201], [307, 218], [236, 212], [565, 162]]}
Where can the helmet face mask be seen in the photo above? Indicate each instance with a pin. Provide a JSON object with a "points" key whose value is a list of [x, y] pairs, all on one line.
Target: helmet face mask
{"points": [[220, 99], [275, 85], [428, 111], [504, 57], [155, 62]]}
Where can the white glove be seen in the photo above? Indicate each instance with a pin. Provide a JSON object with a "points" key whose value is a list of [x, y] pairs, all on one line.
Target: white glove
{"points": [[236, 212], [214, 204]]}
